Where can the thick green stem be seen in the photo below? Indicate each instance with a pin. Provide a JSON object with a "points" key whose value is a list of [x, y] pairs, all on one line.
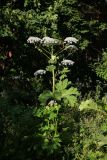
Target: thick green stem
{"points": [[56, 124], [53, 81], [53, 73], [56, 129]]}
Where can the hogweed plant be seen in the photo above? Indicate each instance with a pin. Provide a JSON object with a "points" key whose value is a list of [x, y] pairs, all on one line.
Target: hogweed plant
{"points": [[62, 93]]}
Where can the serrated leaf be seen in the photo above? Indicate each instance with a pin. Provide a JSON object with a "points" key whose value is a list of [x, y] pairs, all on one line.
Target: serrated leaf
{"points": [[102, 140], [71, 91], [88, 104], [57, 95], [71, 100], [50, 68], [38, 113], [61, 85], [52, 116], [52, 127], [43, 97]]}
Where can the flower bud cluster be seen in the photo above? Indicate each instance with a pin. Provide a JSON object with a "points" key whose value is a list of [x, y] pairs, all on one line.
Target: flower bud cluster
{"points": [[70, 40], [67, 62], [33, 40], [48, 40], [52, 103], [39, 72], [44, 40]]}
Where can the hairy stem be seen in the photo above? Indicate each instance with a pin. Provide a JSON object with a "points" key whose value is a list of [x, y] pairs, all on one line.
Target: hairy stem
{"points": [[53, 80], [56, 124], [53, 74]]}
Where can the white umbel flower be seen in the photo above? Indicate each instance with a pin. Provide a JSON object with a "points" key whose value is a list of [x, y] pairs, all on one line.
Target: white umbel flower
{"points": [[67, 62], [34, 40], [40, 72], [48, 40], [72, 47], [52, 103], [70, 40], [16, 77]]}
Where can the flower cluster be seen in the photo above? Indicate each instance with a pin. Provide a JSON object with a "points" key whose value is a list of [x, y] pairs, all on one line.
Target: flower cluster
{"points": [[34, 40], [48, 40], [70, 40], [71, 47], [16, 77], [67, 62], [44, 40], [39, 72], [52, 103]]}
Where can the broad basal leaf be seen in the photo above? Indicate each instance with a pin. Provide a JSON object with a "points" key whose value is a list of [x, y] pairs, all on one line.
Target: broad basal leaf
{"points": [[88, 104], [61, 85], [43, 97]]}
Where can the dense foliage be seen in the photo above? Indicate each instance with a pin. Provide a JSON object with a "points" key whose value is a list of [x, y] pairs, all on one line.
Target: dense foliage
{"points": [[60, 115]]}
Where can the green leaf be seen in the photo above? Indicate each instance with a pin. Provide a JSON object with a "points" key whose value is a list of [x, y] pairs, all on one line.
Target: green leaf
{"points": [[88, 104], [61, 85], [52, 127], [52, 116], [43, 97], [102, 140], [57, 95], [50, 68], [84, 44], [71, 91], [71, 100]]}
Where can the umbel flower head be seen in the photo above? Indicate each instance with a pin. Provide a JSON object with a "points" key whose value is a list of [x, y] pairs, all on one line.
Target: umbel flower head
{"points": [[67, 62], [52, 103], [70, 40], [39, 72], [72, 47], [16, 77], [33, 40], [48, 40]]}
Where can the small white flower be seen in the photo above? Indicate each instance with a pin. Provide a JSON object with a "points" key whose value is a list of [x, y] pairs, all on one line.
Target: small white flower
{"points": [[72, 47], [34, 40], [16, 77], [48, 40], [40, 72], [67, 62], [70, 40], [52, 102]]}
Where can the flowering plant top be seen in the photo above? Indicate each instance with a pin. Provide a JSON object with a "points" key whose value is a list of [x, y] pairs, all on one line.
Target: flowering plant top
{"points": [[52, 41], [70, 40], [33, 40], [39, 72], [48, 40], [67, 62]]}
